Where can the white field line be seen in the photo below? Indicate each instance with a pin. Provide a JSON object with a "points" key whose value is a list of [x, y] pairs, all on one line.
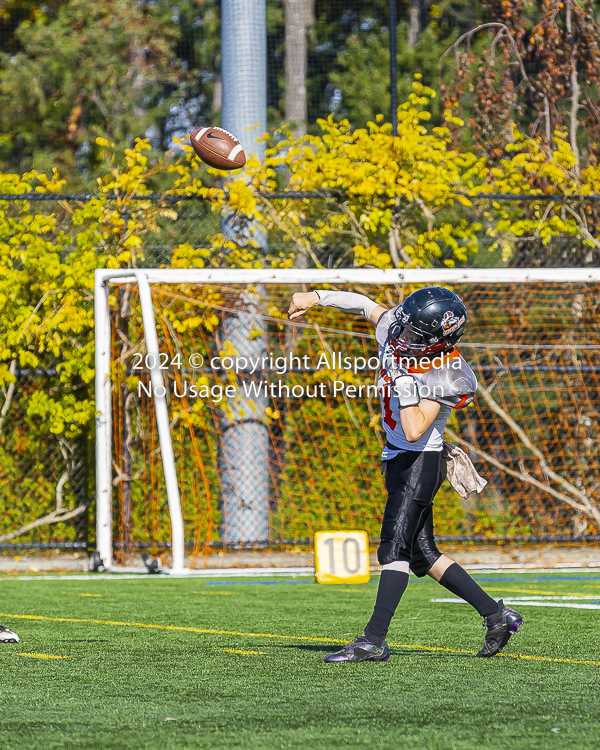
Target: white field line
{"points": [[571, 602], [527, 567], [119, 574], [142, 575]]}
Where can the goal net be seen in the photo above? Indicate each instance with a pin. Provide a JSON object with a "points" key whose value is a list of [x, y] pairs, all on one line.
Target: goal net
{"points": [[222, 425]]}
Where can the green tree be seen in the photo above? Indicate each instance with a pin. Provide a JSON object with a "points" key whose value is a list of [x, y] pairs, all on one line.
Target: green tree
{"points": [[358, 71], [199, 48], [87, 69], [362, 71]]}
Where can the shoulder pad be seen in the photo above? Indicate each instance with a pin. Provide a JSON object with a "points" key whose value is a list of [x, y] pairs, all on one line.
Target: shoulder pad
{"points": [[453, 384], [383, 324]]}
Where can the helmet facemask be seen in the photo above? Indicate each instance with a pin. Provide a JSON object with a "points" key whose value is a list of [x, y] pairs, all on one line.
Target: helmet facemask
{"points": [[407, 341]]}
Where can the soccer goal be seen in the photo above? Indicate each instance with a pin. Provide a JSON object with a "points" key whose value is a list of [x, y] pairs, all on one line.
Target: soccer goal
{"points": [[222, 425]]}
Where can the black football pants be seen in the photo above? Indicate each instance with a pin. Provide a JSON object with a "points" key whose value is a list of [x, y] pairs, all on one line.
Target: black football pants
{"points": [[412, 480]]}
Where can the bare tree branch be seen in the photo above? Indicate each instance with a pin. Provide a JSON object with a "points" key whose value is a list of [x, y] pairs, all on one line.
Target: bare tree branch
{"points": [[585, 503], [101, 106], [59, 491], [547, 119], [573, 121], [358, 231], [524, 438], [59, 514], [427, 212], [393, 247], [301, 244], [10, 392], [582, 226], [397, 249], [523, 476], [56, 516], [503, 33]]}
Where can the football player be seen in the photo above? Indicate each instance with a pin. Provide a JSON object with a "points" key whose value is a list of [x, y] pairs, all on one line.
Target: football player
{"points": [[7, 635], [422, 378]]}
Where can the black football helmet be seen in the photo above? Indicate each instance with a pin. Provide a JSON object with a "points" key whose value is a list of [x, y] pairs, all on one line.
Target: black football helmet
{"points": [[430, 320]]}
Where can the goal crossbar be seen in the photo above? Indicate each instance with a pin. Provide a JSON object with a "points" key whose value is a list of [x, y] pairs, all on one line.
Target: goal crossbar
{"points": [[144, 278], [350, 276]]}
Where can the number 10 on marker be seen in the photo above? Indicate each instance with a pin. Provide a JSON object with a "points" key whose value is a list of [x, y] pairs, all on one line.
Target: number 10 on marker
{"points": [[342, 556]]}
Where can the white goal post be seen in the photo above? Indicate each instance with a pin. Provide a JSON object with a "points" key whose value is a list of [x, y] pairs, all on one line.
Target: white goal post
{"points": [[144, 278]]}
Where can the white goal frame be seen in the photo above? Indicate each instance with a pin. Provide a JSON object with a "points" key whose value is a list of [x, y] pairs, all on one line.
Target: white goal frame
{"points": [[144, 278]]}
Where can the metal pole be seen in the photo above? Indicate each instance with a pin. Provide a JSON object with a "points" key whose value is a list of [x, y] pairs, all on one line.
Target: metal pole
{"points": [[244, 72], [162, 422], [393, 71], [245, 444], [125, 488], [103, 420]]}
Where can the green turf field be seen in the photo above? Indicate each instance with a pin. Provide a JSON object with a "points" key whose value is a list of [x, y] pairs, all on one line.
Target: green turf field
{"points": [[159, 663]]}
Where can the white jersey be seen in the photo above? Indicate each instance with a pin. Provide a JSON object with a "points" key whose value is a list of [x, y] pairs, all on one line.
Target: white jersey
{"points": [[448, 380]]}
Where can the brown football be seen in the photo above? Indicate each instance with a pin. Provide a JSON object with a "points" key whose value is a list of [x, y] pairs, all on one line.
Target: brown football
{"points": [[218, 148]]}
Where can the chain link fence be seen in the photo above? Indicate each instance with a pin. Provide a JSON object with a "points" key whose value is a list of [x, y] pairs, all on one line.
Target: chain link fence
{"points": [[182, 221], [47, 481]]}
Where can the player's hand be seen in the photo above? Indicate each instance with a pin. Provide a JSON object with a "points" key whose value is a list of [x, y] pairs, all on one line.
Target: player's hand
{"points": [[394, 366], [301, 302]]}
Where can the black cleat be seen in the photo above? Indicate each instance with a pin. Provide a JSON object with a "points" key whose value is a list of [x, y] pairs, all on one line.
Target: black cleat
{"points": [[151, 565], [96, 563], [361, 649], [500, 627], [7, 635]]}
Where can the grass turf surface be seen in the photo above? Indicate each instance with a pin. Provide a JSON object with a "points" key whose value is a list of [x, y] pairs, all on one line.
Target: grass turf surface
{"points": [[124, 686]]}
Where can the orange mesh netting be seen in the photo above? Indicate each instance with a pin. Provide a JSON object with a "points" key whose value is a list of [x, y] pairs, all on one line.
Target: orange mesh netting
{"points": [[276, 468]]}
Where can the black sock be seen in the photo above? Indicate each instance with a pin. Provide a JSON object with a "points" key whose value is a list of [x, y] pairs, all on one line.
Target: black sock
{"points": [[392, 585], [459, 582]]}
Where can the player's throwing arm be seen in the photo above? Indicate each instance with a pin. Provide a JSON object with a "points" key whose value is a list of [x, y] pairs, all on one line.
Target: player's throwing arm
{"points": [[416, 420]]}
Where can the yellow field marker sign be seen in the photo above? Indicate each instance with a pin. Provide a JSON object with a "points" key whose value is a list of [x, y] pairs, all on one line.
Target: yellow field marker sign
{"points": [[342, 557], [277, 636], [43, 656]]}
